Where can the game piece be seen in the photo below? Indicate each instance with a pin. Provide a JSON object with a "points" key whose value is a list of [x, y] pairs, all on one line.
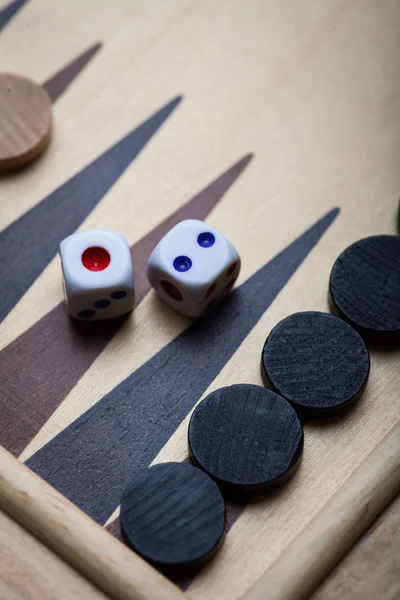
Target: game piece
{"points": [[319, 363], [173, 515], [246, 437], [193, 267], [98, 276], [365, 286], [25, 121]]}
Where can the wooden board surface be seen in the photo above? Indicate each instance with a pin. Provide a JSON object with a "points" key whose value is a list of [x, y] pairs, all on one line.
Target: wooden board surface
{"points": [[29, 570], [357, 576], [311, 91]]}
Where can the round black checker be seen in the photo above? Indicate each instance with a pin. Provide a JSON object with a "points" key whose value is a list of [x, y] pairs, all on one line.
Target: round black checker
{"points": [[173, 515], [365, 285], [246, 437], [319, 363]]}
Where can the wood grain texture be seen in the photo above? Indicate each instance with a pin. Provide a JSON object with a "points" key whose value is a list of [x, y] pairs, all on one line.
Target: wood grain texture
{"points": [[317, 362], [9, 10], [161, 391], [365, 285], [56, 85], [246, 437], [371, 568], [56, 344], [25, 121], [31, 242], [173, 515], [297, 85], [30, 571], [335, 529], [77, 539], [234, 508]]}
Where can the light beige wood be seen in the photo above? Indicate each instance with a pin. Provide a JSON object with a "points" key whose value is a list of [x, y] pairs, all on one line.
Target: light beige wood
{"points": [[311, 88], [76, 538], [372, 567], [339, 524], [30, 571], [25, 121]]}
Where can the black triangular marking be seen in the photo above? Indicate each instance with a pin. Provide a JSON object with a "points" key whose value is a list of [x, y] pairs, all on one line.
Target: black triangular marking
{"points": [[92, 460], [30, 243], [60, 81], [7, 13]]}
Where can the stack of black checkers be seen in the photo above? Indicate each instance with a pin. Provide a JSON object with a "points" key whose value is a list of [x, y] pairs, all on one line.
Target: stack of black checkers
{"points": [[248, 439]]}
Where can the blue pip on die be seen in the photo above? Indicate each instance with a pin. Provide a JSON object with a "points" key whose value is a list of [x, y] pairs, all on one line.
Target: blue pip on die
{"points": [[97, 275], [193, 267]]}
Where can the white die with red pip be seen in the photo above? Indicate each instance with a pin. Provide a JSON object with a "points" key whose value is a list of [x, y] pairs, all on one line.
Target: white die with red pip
{"points": [[193, 267], [98, 276]]}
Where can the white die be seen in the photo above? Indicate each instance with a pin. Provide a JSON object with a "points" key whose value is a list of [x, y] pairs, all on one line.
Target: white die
{"points": [[98, 276], [193, 267]]}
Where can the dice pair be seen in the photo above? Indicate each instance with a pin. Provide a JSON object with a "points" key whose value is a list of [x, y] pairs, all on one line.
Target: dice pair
{"points": [[192, 268]]}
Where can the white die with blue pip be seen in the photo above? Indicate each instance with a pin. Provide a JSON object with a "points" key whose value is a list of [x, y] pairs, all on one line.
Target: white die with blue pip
{"points": [[98, 275], [193, 267]]}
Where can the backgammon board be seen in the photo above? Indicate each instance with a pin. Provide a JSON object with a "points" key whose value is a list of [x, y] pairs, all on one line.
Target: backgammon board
{"points": [[279, 124]]}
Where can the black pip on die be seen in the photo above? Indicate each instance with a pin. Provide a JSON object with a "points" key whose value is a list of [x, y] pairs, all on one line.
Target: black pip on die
{"points": [[98, 276], [193, 267]]}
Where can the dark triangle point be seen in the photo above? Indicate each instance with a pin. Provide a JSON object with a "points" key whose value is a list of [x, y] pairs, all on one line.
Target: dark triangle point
{"points": [[60, 81], [31, 242], [9, 11], [51, 356], [127, 428]]}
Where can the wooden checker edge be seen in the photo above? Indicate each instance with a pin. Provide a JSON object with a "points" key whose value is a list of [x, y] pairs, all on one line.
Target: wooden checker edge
{"points": [[25, 121]]}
